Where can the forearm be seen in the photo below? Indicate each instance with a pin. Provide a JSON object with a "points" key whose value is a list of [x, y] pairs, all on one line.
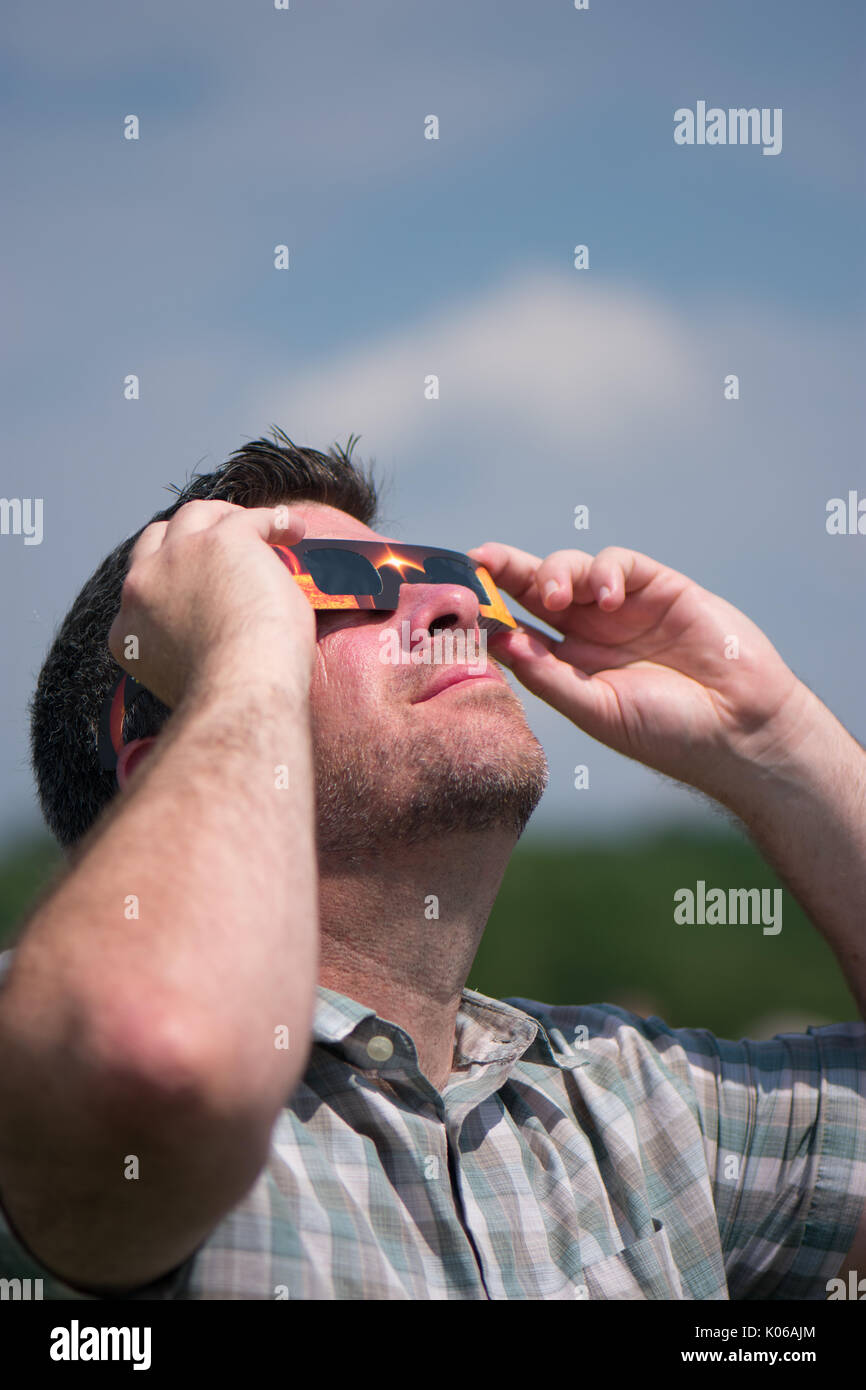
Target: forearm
{"points": [[808, 817], [187, 931]]}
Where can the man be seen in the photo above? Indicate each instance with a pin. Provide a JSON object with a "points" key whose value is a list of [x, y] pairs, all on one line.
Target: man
{"points": [[239, 1058]]}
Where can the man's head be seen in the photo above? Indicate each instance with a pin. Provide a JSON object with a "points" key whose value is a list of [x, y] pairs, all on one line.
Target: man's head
{"points": [[403, 753], [394, 761]]}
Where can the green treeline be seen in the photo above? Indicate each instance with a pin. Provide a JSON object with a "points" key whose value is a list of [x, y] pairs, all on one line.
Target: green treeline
{"points": [[589, 923]]}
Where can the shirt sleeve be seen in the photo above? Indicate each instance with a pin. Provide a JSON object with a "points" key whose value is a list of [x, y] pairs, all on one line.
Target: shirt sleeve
{"points": [[784, 1126], [27, 1278]]}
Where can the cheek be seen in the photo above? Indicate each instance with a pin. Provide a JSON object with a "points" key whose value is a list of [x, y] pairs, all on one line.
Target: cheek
{"points": [[348, 676]]}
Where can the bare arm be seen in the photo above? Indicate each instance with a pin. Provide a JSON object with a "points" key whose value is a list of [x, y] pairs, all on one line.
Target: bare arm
{"points": [[663, 671], [808, 816], [673, 676], [154, 1036]]}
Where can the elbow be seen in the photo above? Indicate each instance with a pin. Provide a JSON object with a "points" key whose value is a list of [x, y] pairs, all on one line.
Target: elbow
{"points": [[156, 1062], [150, 1057]]}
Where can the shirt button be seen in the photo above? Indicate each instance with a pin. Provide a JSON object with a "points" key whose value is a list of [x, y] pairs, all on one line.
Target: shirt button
{"points": [[380, 1048]]}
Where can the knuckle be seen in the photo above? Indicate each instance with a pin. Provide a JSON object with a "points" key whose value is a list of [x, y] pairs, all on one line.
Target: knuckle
{"points": [[205, 506], [238, 516], [132, 589], [144, 538]]}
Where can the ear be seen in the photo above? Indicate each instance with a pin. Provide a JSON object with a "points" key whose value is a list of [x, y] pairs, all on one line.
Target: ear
{"points": [[130, 755]]}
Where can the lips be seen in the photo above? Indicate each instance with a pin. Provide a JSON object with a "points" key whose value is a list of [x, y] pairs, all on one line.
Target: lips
{"points": [[457, 675]]}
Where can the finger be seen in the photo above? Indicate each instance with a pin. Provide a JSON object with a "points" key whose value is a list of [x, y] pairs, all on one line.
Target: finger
{"points": [[149, 541], [545, 588], [564, 578], [617, 572], [198, 515], [506, 643], [587, 700], [587, 658], [605, 579], [515, 572], [568, 576], [280, 525]]}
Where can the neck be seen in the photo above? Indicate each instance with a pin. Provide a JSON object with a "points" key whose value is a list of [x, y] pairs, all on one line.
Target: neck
{"points": [[399, 933]]}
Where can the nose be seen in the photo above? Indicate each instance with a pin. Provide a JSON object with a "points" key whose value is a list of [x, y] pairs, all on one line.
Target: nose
{"points": [[437, 607]]}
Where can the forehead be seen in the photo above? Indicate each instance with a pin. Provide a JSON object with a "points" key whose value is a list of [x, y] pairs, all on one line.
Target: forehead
{"points": [[322, 520]]}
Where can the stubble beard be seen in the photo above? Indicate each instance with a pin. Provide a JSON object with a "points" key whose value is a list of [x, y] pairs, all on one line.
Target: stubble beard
{"points": [[482, 769]]}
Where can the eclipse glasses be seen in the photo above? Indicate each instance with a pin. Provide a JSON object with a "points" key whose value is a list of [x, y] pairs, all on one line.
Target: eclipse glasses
{"points": [[368, 574], [337, 574]]}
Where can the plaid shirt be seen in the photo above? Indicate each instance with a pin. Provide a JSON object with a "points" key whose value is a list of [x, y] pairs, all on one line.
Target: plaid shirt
{"points": [[646, 1162]]}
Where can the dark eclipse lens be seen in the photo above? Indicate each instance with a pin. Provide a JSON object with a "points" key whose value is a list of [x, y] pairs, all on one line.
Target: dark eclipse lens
{"points": [[440, 569], [342, 572]]}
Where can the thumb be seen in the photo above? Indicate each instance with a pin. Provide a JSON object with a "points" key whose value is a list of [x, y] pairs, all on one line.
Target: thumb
{"points": [[532, 656], [522, 643]]}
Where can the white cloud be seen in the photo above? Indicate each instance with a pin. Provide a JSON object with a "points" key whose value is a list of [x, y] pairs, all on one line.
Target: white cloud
{"points": [[564, 362], [560, 361]]}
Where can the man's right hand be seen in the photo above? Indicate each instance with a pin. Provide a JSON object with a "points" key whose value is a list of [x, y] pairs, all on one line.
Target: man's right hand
{"points": [[154, 1034], [203, 594]]}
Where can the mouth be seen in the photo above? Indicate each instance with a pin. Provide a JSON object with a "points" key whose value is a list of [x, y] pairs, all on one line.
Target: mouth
{"points": [[458, 677]]}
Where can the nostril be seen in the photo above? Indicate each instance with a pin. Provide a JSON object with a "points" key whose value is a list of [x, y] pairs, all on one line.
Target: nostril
{"points": [[442, 623]]}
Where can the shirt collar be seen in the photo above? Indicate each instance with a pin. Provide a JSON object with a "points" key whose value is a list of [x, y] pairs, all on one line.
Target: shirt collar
{"points": [[487, 1031]]}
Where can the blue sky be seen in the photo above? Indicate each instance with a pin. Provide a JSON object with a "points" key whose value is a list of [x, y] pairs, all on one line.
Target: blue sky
{"points": [[454, 256]]}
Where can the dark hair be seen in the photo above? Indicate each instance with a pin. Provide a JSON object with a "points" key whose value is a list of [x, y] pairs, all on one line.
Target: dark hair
{"points": [[79, 670]]}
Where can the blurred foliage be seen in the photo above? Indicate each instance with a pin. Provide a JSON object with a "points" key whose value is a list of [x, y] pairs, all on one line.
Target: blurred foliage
{"points": [[582, 923], [594, 923], [27, 867]]}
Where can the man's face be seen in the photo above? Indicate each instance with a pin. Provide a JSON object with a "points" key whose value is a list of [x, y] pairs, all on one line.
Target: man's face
{"points": [[398, 759]]}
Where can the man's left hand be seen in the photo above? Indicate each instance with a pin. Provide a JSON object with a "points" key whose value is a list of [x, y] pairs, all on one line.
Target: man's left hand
{"points": [[649, 663]]}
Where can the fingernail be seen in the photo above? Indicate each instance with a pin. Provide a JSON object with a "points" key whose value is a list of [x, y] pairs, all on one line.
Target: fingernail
{"points": [[550, 588], [604, 592]]}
